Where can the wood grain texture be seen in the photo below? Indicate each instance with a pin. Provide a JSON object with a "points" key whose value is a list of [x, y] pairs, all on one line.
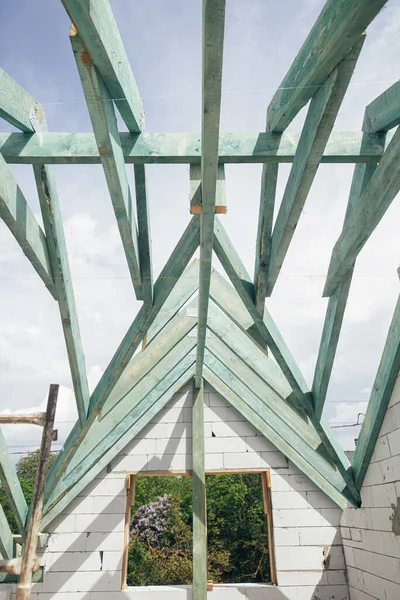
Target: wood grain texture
{"points": [[6, 537], [321, 116], [334, 33], [144, 234], [212, 51], [343, 147], [383, 113], [105, 128], [199, 497], [384, 383], [17, 215], [96, 24]]}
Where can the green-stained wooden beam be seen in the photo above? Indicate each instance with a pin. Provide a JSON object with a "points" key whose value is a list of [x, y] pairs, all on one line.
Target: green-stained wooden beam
{"points": [[15, 212], [199, 497], [96, 24], [163, 287], [321, 116], [384, 112], [237, 273], [184, 289], [154, 402], [336, 305], [124, 411], [18, 107], [183, 148], [212, 45], [6, 537], [382, 188], [143, 216], [12, 487], [105, 128], [286, 440], [335, 32], [269, 179], [53, 226], [388, 372], [17, 112], [195, 190]]}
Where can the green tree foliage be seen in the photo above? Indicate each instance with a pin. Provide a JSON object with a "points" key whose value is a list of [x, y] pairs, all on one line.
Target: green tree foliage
{"points": [[160, 550], [26, 468]]}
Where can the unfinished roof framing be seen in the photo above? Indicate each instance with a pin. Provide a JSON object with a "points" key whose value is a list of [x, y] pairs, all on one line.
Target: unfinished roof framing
{"points": [[223, 334]]}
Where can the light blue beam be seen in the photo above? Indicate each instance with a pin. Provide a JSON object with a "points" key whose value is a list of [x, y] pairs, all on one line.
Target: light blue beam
{"points": [[15, 212], [143, 214], [184, 148], [212, 44], [12, 487], [105, 128], [317, 128], [334, 33], [96, 25]]}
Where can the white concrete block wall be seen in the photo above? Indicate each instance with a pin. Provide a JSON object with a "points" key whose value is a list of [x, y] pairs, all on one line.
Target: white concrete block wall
{"points": [[83, 558], [371, 534]]}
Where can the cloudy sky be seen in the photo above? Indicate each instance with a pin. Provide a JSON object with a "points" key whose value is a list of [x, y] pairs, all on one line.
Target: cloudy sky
{"points": [[163, 43]]}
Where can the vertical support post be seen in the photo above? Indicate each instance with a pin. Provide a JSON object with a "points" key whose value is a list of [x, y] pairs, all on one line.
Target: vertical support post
{"points": [[199, 497], [29, 556], [130, 501], [266, 487]]}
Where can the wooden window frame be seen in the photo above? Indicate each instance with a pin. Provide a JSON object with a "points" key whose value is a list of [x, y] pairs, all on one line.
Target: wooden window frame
{"points": [[267, 501]]}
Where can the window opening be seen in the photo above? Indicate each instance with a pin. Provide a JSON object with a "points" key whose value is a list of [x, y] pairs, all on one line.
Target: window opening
{"points": [[158, 529]]}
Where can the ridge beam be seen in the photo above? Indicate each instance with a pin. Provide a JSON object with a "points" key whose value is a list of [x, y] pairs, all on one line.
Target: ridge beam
{"points": [[381, 190], [16, 213], [212, 48], [105, 128], [96, 24], [321, 116], [334, 33]]}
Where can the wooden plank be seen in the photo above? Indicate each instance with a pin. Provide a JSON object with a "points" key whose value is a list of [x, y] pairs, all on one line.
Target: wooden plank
{"points": [[277, 432], [164, 285], [195, 190], [381, 393], [383, 113], [321, 116], [267, 496], [336, 306], [183, 148], [12, 487], [29, 557], [57, 505], [199, 497], [335, 32], [6, 537], [53, 225], [269, 180], [96, 24], [212, 50], [130, 501], [105, 128], [372, 205], [144, 239], [15, 212], [237, 273], [57, 250], [184, 289], [16, 105]]}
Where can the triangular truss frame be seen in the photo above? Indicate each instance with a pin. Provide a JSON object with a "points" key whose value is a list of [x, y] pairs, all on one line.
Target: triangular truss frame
{"points": [[232, 325]]}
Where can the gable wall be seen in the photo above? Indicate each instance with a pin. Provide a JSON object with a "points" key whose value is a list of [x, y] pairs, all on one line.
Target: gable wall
{"points": [[371, 534], [83, 559]]}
